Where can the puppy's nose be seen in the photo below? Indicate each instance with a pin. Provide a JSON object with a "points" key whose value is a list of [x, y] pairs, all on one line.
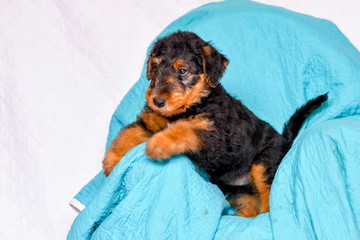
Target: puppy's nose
{"points": [[159, 102]]}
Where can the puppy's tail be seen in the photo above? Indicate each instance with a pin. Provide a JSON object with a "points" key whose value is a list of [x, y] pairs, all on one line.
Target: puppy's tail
{"points": [[293, 126]]}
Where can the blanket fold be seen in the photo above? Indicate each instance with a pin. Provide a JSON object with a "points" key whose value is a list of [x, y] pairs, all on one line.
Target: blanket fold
{"points": [[316, 194], [160, 200]]}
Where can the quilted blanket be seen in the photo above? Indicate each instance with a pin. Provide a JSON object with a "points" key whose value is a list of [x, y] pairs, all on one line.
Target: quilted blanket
{"points": [[278, 60]]}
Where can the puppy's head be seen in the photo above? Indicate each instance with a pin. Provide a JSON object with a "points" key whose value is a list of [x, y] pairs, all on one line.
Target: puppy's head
{"points": [[182, 69]]}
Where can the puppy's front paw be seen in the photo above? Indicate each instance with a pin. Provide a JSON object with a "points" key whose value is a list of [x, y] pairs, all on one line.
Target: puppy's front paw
{"points": [[160, 147], [110, 162]]}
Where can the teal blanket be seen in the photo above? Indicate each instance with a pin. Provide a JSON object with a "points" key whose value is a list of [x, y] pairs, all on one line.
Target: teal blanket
{"points": [[278, 60]]}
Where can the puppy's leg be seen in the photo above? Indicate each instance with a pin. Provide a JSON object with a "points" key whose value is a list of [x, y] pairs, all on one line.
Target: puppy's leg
{"points": [[247, 205], [127, 138], [250, 205], [179, 138], [259, 180], [132, 135]]}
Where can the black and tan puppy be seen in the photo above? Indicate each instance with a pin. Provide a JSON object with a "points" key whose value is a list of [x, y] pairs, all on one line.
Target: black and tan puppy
{"points": [[189, 112]]}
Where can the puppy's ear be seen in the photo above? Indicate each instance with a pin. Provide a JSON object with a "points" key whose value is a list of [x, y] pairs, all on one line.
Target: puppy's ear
{"points": [[214, 64], [148, 69]]}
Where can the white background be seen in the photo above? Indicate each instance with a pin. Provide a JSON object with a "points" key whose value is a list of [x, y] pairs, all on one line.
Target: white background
{"points": [[64, 67]]}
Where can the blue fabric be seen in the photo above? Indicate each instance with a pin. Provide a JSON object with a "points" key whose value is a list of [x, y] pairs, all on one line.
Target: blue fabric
{"points": [[278, 60]]}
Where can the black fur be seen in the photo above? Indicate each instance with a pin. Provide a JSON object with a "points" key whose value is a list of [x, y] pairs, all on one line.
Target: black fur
{"points": [[189, 112], [239, 138], [192, 51]]}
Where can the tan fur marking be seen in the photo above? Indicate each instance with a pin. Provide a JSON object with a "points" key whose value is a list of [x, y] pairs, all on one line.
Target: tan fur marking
{"points": [[226, 63], [203, 63], [180, 101], [156, 60], [178, 64], [154, 122], [149, 65], [148, 69], [207, 50], [199, 121], [197, 92], [152, 59], [247, 205], [174, 104], [250, 205], [149, 96], [259, 180], [177, 101], [167, 143], [124, 141], [179, 138], [205, 76]]}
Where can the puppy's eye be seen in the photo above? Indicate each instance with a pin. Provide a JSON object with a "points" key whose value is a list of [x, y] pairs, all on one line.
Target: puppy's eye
{"points": [[182, 71], [154, 67]]}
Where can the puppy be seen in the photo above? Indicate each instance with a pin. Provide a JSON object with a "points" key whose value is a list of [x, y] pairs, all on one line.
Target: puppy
{"points": [[189, 112]]}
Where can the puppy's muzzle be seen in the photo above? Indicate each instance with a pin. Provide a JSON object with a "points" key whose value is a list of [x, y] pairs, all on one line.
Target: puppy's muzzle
{"points": [[159, 102]]}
